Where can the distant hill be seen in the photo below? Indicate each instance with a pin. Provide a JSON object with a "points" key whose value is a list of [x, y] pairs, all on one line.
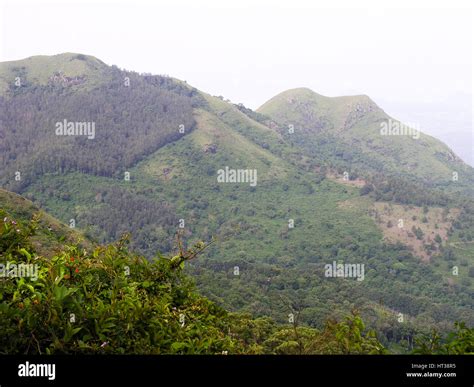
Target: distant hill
{"points": [[347, 131]]}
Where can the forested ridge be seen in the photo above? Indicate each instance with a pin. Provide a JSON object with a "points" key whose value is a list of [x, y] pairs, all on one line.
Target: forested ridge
{"points": [[131, 122]]}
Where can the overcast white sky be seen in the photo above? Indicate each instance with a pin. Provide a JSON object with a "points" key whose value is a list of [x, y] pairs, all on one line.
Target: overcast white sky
{"points": [[414, 58]]}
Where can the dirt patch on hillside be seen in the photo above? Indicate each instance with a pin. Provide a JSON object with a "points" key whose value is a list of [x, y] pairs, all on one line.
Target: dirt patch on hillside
{"points": [[346, 180], [424, 230]]}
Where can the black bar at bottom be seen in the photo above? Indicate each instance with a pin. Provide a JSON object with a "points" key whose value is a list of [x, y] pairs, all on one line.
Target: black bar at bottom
{"points": [[241, 370]]}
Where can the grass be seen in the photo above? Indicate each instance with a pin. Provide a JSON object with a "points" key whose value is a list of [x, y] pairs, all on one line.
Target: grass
{"points": [[38, 69]]}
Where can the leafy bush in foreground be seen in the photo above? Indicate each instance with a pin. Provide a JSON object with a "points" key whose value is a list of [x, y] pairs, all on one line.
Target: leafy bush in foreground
{"points": [[87, 303], [458, 342]]}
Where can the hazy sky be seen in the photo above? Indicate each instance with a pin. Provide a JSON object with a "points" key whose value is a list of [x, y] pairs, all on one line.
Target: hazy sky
{"points": [[414, 58]]}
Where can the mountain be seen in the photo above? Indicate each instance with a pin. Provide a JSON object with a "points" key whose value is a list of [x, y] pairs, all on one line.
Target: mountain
{"points": [[331, 189], [349, 131]]}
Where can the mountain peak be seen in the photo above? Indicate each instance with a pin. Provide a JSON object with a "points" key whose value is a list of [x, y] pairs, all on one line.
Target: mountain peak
{"points": [[306, 94], [293, 95], [40, 68], [56, 59], [302, 106], [303, 96]]}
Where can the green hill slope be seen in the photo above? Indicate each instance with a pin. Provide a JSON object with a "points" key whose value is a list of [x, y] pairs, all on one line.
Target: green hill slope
{"points": [[67, 68], [50, 234], [346, 131]]}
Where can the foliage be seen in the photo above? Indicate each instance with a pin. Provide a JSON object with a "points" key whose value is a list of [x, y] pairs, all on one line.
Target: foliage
{"points": [[345, 337], [458, 342], [105, 301]]}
